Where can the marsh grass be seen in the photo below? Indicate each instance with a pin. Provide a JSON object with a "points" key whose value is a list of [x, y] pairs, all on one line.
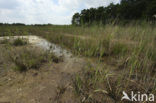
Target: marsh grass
{"points": [[100, 85], [92, 85]]}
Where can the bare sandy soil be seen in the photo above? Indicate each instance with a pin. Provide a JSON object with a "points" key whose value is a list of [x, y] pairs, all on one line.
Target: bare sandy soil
{"points": [[52, 83]]}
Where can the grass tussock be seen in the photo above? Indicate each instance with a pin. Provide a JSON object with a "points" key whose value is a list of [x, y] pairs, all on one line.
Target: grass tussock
{"points": [[23, 58], [14, 42], [26, 59], [19, 42]]}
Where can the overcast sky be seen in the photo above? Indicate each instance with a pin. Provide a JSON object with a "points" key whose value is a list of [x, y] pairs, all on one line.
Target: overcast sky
{"points": [[45, 11]]}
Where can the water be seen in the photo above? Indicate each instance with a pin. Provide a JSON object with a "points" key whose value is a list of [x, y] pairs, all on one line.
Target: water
{"points": [[43, 43]]}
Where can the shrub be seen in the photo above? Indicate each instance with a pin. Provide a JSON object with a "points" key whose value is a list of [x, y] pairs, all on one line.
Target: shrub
{"points": [[19, 42], [26, 58]]}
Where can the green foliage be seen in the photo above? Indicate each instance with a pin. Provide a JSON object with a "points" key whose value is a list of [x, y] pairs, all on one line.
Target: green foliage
{"points": [[76, 19], [5, 41], [78, 84], [126, 11], [26, 58], [119, 48], [19, 42]]}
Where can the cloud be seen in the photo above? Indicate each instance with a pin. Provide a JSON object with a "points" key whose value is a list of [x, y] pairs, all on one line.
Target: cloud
{"points": [[9, 4], [97, 3], [45, 11]]}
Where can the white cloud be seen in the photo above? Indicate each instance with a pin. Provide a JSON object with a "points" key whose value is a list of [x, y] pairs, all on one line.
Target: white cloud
{"points": [[45, 11], [97, 3]]}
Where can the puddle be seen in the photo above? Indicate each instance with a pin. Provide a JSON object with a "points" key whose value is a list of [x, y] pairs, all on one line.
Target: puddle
{"points": [[43, 43]]}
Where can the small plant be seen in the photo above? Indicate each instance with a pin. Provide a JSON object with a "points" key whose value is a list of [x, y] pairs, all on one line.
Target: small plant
{"points": [[27, 58], [5, 41], [60, 90], [54, 58], [19, 42], [78, 85]]}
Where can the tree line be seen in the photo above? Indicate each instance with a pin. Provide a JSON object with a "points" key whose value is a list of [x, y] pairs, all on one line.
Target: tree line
{"points": [[126, 10], [22, 24]]}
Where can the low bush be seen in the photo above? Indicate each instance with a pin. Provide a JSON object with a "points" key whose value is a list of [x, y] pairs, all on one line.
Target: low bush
{"points": [[19, 42], [28, 58]]}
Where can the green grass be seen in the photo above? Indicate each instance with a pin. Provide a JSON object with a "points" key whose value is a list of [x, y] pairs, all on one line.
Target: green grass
{"points": [[19, 42]]}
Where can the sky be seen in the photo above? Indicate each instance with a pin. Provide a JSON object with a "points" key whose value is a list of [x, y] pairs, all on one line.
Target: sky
{"points": [[45, 11]]}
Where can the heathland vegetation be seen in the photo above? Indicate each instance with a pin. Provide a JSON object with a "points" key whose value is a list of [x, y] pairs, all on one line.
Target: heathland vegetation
{"points": [[124, 57], [118, 41]]}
